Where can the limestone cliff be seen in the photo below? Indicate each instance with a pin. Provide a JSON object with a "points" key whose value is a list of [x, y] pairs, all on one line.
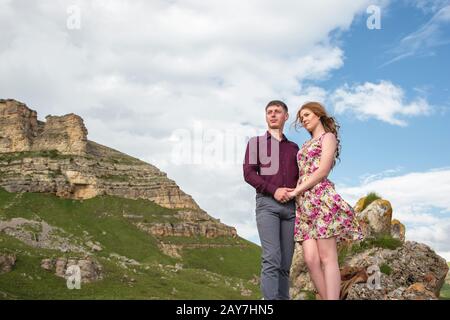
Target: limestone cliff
{"points": [[21, 131], [55, 156]]}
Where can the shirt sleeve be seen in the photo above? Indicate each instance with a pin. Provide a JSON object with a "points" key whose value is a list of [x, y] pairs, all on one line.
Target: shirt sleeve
{"points": [[251, 173]]}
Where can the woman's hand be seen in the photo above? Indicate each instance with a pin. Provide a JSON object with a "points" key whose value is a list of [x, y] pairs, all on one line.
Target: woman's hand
{"points": [[294, 193]]}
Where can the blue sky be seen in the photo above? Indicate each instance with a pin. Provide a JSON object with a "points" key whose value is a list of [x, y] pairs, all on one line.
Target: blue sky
{"points": [[148, 76], [378, 148], [421, 144]]}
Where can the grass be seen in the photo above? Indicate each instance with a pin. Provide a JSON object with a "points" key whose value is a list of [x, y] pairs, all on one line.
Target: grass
{"points": [[115, 178], [310, 295], [207, 273], [12, 156], [386, 269], [445, 290], [29, 281], [241, 262], [382, 241], [204, 240], [371, 197], [55, 154]]}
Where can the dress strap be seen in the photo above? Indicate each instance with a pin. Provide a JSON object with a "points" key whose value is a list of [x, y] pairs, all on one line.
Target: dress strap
{"points": [[321, 137]]}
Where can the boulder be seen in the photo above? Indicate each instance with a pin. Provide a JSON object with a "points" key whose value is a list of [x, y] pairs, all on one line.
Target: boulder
{"points": [[398, 230], [90, 269], [403, 269], [7, 262], [376, 218]]}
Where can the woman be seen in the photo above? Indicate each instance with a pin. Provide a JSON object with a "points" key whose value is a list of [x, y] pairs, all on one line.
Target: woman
{"points": [[322, 217]]}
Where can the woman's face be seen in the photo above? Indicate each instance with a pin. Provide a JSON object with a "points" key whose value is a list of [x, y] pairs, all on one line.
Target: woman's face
{"points": [[308, 119]]}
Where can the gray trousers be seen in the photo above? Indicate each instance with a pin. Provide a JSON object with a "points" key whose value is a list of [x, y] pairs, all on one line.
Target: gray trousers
{"points": [[275, 222]]}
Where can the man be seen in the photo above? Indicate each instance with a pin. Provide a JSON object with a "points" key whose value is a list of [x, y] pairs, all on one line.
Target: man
{"points": [[270, 166]]}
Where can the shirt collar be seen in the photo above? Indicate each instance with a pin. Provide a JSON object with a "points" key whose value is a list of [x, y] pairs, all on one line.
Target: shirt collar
{"points": [[268, 135]]}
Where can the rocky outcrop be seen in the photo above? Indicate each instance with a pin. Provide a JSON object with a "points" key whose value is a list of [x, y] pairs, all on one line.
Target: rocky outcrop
{"points": [[398, 230], [55, 157], [18, 126], [21, 131], [7, 262], [66, 134], [79, 177], [382, 266], [90, 270], [412, 271], [376, 218], [188, 229], [40, 234]]}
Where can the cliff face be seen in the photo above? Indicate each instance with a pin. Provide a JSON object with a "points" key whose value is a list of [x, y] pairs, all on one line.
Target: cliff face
{"points": [[66, 134], [21, 131], [56, 157], [18, 126]]}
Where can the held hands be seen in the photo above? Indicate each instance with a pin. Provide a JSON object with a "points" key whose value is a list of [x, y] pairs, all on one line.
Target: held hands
{"points": [[285, 194], [292, 194]]}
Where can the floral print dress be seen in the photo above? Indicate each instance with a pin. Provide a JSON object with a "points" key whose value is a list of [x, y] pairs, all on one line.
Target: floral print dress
{"points": [[320, 212]]}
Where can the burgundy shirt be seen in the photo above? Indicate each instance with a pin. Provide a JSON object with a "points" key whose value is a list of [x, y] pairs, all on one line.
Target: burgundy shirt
{"points": [[266, 173]]}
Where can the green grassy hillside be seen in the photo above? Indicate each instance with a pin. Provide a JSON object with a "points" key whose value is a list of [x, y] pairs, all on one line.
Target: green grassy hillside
{"points": [[445, 291], [223, 272]]}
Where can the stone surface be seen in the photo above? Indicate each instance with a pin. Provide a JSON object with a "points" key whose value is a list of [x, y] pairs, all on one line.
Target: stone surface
{"points": [[189, 229], [90, 269], [376, 218], [40, 234], [60, 160], [410, 271], [18, 126], [7, 262], [21, 131], [398, 230], [66, 134]]}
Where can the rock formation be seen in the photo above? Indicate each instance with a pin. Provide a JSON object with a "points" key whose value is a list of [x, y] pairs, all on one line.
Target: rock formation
{"points": [[21, 131], [382, 266], [7, 262], [89, 269], [56, 157]]}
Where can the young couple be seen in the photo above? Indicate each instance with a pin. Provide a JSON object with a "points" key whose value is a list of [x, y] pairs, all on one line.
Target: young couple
{"points": [[296, 202]]}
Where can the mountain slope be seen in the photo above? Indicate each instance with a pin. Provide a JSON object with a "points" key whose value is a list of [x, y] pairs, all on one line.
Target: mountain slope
{"points": [[67, 201], [133, 267]]}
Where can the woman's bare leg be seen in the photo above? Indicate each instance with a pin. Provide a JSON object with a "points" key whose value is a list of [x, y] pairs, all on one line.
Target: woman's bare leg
{"points": [[329, 259], [312, 259]]}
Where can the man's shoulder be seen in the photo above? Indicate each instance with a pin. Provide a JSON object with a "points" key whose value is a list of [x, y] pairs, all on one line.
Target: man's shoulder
{"points": [[292, 144]]}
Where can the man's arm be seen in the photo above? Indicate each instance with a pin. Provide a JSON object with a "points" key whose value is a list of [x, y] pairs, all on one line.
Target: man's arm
{"points": [[251, 171]]}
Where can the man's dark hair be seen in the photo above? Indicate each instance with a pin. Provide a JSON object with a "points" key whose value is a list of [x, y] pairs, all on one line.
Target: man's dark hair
{"points": [[277, 103]]}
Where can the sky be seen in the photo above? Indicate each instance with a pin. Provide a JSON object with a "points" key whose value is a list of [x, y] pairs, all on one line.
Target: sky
{"points": [[183, 85]]}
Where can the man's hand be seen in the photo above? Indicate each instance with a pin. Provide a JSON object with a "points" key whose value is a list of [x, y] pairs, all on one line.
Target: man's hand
{"points": [[281, 194], [292, 194]]}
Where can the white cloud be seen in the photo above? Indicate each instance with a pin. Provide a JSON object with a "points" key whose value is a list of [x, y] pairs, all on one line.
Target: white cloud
{"points": [[431, 35], [428, 5], [383, 101], [137, 71], [369, 177], [419, 200]]}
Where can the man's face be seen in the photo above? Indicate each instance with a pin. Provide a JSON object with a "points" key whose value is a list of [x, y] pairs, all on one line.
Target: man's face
{"points": [[276, 116]]}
